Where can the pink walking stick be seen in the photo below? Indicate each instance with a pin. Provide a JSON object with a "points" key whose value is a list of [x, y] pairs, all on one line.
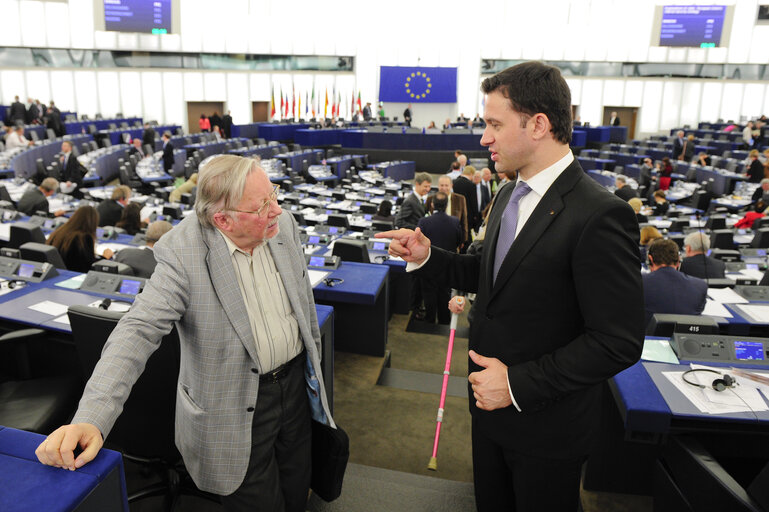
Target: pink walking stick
{"points": [[433, 464]]}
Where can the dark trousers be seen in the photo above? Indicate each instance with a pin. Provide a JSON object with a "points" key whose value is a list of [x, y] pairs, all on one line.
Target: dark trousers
{"points": [[415, 298], [436, 296], [511, 481], [278, 475]]}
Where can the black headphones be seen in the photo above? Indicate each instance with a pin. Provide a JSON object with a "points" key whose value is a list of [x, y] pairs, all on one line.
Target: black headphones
{"points": [[105, 304], [727, 381], [12, 284]]}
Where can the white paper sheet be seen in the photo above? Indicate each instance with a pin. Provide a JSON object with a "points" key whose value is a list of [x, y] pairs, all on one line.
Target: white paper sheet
{"points": [[49, 308], [741, 398], [755, 312], [726, 296], [713, 308], [63, 319], [752, 273], [316, 276]]}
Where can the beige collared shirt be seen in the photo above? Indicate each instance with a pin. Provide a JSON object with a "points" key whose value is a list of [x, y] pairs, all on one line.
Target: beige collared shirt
{"points": [[273, 324]]}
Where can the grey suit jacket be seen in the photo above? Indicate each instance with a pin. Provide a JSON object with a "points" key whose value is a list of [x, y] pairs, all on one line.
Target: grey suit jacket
{"points": [[194, 286]]}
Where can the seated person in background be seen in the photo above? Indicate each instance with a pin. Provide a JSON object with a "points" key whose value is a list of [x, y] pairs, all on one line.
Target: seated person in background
{"points": [[131, 220], [623, 191], [217, 133], [666, 290], [111, 210], [76, 240], [447, 124], [16, 139], [136, 148], [702, 159], [431, 125], [185, 188], [761, 196], [666, 170], [648, 235], [36, 199], [636, 204], [444, 231], [755, 171], [384, 212], [661, 205], [142, 260], [697, 263]]}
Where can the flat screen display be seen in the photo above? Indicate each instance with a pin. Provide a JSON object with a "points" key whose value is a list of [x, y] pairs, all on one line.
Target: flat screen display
{"points": [[332, 230], [130, 287], [147, 16], [99, 232], [26, 270], [697, 26], [314, 240], [48, 224], [379, 246], [367, 216], [749, 350], [317, 261]]}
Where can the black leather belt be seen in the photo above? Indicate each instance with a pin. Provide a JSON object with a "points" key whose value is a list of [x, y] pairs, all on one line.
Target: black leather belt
{"points": [[282, 370]]}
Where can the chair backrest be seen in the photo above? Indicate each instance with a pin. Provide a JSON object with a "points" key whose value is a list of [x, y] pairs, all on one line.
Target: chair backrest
{"points": [[351, 250], [716, 222], [146, 426], [33, 136], [340, 220], [23, 232], [722, 239], [41, 252], [124, 175], [761, 238], [50, 134], [147, 149], [380, 225]]}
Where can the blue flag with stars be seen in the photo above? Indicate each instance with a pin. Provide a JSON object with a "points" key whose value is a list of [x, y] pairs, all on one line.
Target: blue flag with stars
{"points": [[400, 84]]}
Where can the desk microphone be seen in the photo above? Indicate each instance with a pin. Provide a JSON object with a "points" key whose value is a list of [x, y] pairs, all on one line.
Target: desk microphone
{"points": [[105, 304]]}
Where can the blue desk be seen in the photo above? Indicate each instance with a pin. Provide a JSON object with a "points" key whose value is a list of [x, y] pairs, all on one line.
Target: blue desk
{"points": [[74, 127], [323, 137], [27, 485], [106, 166], [116, 136], [409, 141], [210, 148], [293, 159], [361, 307], [601, 134], [264, 152], [402, 170], [249, 131], [25, 164], [578, 138], [285, 132]]}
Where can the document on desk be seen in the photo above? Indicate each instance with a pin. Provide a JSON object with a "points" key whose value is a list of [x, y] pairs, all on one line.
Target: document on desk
{"points": [[658, 350], [726, 296], [5, 231], [752, 273], [743, 397], [757, 313], [713, 308], [316, 276], [49, 308], [73, 283], [63, 319], [100, 247]]}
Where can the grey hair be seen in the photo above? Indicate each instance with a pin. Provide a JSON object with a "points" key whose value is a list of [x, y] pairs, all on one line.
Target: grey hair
{"points": [[764, 181], [698, 242], [156, 230], [621, 179], [220, 185]]}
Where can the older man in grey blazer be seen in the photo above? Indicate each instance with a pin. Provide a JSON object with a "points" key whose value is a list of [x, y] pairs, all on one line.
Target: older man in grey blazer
{"points": [[234, 281]]}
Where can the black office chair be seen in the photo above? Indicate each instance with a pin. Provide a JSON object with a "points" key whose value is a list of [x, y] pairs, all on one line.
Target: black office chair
{"points": [[379, 225], [148, 151], [144, 432], [761, 238], [339, 220], [351, 250], [126, 178], [722, 239], [716, 222], [41, 252], [34, 403], [678, 225], [368, 208], [688, 478], [727, 255], [299, 218], [23, 232]]}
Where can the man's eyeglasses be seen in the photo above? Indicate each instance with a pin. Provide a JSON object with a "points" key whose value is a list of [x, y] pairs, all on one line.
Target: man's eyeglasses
{"points": [[259, 211]]}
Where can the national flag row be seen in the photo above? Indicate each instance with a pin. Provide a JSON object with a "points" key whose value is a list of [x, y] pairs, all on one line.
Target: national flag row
{"points": [[292, 108]]}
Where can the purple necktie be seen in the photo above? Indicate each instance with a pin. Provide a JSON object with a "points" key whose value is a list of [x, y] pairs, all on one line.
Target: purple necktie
{"points": [[508, 225]]}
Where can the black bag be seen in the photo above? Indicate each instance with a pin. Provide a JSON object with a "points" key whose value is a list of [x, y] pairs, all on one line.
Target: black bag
{"points": [[330, 451]]}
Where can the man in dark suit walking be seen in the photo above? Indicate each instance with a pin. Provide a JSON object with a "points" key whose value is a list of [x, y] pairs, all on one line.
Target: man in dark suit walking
{"points": [[666, 290], [697, 263], [142, 260], [227, 124], [407, 115], [614, 119], [558, 304], [444, 231], [148, 136], [168, 152], [17, 113], [367, 111], [464, 185]]}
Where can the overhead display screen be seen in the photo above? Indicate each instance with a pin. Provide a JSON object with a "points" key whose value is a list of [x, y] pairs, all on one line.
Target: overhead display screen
{"points": [[147, 16], [699, 26]]}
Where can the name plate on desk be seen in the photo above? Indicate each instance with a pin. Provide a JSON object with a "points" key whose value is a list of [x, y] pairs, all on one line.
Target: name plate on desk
{"points": [[724, 349], [26, 270], [113, 284], [323, 262]]}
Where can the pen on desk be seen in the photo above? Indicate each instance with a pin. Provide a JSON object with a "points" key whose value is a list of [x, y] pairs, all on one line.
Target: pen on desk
{"points": [[751, 376]]}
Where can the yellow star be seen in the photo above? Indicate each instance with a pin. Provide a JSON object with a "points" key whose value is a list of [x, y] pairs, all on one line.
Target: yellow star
{"points": [[428, 91], [427, 78], [412, 74], [412, 95], [429, 85], [408, 90], [423, 95], [408, 79], [418, 73]]}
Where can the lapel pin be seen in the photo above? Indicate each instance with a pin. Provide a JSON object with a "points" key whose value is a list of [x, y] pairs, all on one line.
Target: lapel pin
{"points": [[552, 212]]}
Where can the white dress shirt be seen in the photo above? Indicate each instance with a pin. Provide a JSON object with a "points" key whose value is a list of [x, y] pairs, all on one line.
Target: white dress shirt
{"points": [[15, 140]]}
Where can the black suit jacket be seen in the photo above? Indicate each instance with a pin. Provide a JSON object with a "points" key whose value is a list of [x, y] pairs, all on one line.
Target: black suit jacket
{"points": [[443, 230], [615, 123], [110, 212], [466, 187], [565, 313], [626, 193], [73, 171], [366, 113], [33, 201], [678, 147], [148, 137], [227, 125], [669, 291], [703, 267], [142, 261], [755, 172], [17, 112], [411, 211], [33, 113], [168, 156]]}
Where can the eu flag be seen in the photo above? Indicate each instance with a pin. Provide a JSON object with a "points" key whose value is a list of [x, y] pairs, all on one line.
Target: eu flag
{"points": [[398, 84]]}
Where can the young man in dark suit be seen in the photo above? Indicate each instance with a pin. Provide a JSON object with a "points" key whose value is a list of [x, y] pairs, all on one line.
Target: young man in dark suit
{"points": [[168, 152], [444, 231], [559, 301], [142, 260], [413, 206], [148, 136], [697, 263], [666, 290]]}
